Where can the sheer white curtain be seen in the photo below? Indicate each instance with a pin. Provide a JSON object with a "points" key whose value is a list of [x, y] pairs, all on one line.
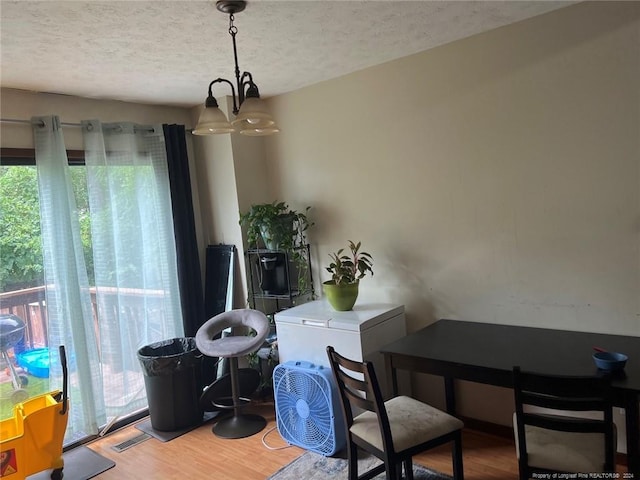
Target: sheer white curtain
{"points": [[68, 300], [137, 291], [137, 299]]}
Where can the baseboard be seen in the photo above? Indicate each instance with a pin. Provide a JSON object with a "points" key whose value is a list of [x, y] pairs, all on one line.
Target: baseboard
{"points": [[501, 431], [506, 432]]}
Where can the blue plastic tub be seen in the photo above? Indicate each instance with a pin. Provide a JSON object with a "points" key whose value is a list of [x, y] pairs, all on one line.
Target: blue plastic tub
{"points": [[35, 362]]}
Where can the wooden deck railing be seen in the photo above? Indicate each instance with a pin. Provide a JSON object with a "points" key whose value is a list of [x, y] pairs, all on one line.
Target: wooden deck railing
{"points": [[117, 305]]}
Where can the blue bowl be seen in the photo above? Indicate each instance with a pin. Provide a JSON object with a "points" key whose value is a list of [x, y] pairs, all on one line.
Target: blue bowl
{"points": [[610, 361]]}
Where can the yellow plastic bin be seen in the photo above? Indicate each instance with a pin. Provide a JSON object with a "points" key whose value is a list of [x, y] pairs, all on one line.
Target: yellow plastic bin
{"points": [[11, 434], [31, 441]]}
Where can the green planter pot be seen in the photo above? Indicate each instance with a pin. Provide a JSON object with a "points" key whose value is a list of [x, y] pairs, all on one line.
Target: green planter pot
{"points": [[341, 297]]}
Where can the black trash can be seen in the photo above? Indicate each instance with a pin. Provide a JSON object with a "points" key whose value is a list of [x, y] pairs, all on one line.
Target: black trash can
{"points": [[172, 371]]}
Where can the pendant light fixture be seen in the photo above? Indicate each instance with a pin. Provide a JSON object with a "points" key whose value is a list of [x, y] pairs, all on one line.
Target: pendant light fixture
{"points": [[252, 117]]}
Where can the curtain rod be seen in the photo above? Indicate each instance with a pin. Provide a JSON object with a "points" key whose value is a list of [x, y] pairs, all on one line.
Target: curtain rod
{"points": [[64, 124], [16, 120]]}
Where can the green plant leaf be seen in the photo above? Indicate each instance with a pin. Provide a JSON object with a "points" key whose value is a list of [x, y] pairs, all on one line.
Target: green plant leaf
{"points": [[346, 269]]}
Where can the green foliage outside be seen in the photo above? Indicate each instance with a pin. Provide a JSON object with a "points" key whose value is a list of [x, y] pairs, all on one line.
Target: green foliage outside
{"points": [[34, 387], [21, 264], [20, 242]]}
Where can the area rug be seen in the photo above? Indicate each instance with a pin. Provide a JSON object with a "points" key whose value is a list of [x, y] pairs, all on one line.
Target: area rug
{"points": [[80, 463], [312, 466]]}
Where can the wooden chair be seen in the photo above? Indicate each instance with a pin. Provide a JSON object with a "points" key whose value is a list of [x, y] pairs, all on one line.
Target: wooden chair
{"points": [[548, 442], [395, 430]]}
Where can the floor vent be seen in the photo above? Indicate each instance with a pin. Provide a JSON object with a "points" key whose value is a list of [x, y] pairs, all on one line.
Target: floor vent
{"points": [[122, 446]]}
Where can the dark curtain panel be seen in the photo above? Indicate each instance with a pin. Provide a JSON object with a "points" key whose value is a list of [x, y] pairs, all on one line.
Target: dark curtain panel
{"points": [[189, 274]]}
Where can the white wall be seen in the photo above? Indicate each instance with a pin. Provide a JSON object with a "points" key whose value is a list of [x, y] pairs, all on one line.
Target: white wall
{"points": [[494, 179]]}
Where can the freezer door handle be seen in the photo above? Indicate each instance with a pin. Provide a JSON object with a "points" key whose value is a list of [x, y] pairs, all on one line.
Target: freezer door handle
{"points": [[315, 323]]}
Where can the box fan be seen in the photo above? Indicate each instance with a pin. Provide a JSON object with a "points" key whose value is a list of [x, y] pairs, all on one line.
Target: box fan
{"points": [[307, 407]]}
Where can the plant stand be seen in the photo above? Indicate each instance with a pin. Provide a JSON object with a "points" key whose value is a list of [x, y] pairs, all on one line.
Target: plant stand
{"points": [[276, 281]]}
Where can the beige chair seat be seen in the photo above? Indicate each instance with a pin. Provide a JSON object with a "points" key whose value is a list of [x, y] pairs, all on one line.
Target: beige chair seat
{"points": [[412, 423]]}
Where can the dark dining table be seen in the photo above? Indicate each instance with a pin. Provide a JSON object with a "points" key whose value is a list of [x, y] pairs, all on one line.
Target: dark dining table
{"points": [[486, 353]]}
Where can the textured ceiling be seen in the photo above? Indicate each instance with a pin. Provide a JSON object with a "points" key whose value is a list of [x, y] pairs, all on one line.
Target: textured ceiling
{"points": [[167, 52]]}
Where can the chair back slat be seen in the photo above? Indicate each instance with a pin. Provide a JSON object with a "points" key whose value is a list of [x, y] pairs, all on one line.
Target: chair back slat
{"points": [[565, 403], [358, 387], [355, 390], [562, 424], [577, 388]]}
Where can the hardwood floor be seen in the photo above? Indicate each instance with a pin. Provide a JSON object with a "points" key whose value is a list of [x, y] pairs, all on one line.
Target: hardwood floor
{"points": [[198, 454], [201, 455]]}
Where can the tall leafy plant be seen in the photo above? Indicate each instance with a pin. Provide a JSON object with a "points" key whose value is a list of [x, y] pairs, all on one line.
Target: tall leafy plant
{"points": [[275, 226]]}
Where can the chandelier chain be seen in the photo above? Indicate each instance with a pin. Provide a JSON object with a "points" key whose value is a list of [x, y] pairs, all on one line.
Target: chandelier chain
{"points": [[232, 28]]}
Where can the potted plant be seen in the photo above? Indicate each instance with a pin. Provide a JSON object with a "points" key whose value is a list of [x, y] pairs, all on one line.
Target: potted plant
{"points": [[346, 271], [278, 226]]}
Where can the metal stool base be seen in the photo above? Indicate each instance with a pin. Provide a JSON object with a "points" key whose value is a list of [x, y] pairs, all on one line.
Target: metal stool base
{"points": [[239, 426]]}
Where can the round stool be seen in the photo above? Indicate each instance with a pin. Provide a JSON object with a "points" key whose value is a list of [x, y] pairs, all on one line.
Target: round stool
{"points": [[239, 425]]}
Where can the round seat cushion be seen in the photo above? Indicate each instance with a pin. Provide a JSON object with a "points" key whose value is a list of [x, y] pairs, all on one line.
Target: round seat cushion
{"points": [[232, 346]]}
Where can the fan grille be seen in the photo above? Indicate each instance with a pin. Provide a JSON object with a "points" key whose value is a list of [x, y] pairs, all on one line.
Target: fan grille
{"points": [[304, 400]]}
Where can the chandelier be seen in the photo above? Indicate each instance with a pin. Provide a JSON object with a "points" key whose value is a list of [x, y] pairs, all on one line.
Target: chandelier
{"points": [[251, 114]]}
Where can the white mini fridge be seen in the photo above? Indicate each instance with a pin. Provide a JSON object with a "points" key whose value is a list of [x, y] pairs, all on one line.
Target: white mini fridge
{"points": [[305, 331]]}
